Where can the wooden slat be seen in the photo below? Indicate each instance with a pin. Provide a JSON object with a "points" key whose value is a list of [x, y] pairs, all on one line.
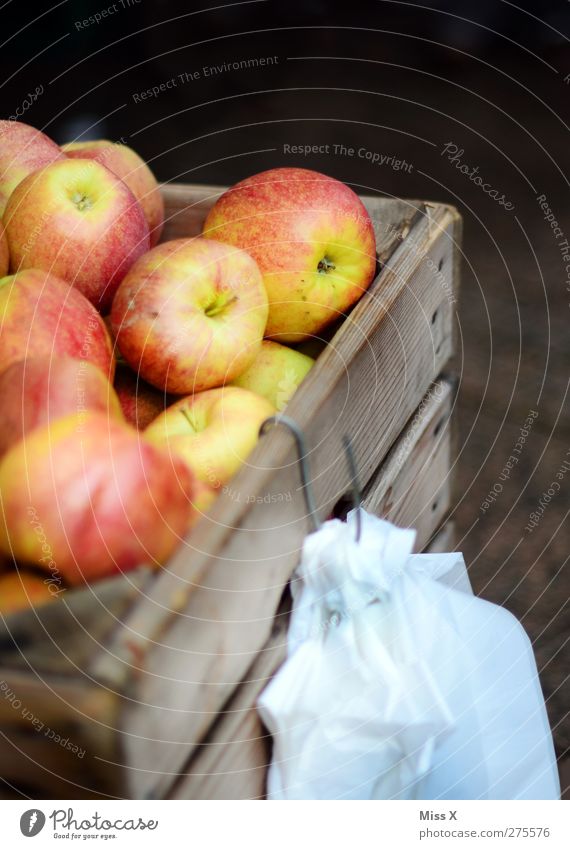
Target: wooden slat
{"points": [[61, 636], [192, 639], [231, 762], [31, 708], [444, 539], [422, 497]]}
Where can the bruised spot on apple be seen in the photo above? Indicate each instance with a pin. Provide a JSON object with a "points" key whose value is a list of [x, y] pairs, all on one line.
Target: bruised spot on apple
{"points": [[312, 239], [213, 431], [132, 170], [276, 373], [23, 150], [77, 220], [39, 390], [22, 590], [42, 316], [190, 315], [93, 500]]}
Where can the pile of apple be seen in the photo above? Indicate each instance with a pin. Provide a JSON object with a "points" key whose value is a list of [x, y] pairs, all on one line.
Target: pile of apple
{"points": [[134, 374]]}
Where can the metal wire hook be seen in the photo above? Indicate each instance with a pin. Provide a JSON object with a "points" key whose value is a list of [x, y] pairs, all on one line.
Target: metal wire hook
{"points": [[301, 444], [355, 483], [302, 455]]}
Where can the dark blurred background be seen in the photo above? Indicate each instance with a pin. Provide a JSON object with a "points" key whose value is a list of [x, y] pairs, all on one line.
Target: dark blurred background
{"points": [[492, 78]]}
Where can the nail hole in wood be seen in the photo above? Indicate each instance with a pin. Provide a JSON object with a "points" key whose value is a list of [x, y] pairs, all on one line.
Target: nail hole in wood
{"points": [[434, 317], [440, 264]]}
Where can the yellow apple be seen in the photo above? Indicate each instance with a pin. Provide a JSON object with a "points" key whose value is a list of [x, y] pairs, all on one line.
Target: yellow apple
{"points": [[275, 373], [213, 431]]}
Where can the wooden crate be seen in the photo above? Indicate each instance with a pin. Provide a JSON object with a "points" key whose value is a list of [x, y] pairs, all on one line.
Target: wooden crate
{"points": [[137, 671]]}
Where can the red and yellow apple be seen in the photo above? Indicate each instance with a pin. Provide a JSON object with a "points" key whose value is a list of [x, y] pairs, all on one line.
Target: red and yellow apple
{"points": [[312, 239], [77, 220], [39, 390], [128, 165], [22, 590], [41, 316], [83, 502], [190, 315], [140, 402], [276, 373], [4, 252], [213, 431], [23, 150]]}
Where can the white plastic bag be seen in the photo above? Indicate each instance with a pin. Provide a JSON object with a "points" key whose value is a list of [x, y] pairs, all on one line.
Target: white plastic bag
{"points": [[398, 686]]}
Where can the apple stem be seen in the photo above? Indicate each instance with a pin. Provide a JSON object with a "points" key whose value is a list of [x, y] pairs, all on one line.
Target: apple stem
{"points": [[186, 415], [81, 201], [217, 308], [325, 265]]}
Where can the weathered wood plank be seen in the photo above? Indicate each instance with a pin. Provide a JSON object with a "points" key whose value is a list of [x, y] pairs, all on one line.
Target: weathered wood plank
{"points": [[36, 714], [425, 477], [444, 539], [61, 637]]}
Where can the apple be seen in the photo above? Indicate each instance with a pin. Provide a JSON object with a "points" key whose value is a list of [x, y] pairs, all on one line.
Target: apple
{"points": [[190, 315], [83, 502], [76, 219], [275, 373], [4, 252], [312, 239], [41, 316], [128, 165], [22, 590], [213, 431], [140, 402], [23, 150], [38, 390]]}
